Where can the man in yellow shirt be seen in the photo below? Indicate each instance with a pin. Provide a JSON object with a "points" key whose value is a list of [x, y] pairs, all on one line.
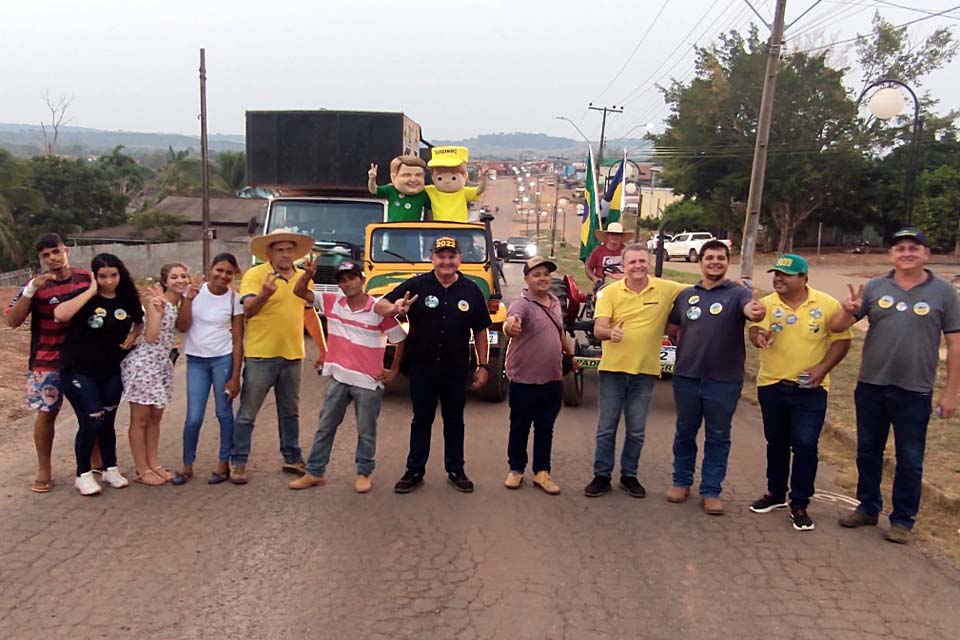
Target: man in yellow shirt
{"points": [[273, 346], [798, 350], [630, 317]]}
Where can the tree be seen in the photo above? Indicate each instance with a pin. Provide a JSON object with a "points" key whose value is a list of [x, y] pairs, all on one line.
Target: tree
{"points": [[232, 169], [15, 201], [78, 195], [687, 215], [127, 178], [58, 111], [938, 209], [160, 226]]}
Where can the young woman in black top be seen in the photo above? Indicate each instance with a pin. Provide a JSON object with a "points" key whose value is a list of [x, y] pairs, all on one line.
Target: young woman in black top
{"points": [[105, 322]]}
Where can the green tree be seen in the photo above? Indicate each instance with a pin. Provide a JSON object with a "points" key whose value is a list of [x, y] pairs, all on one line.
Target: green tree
{"points": [[938, 208], [183, 176], [78, 196], [687, 215], [127, 177], [159, 226], [231, 168]]}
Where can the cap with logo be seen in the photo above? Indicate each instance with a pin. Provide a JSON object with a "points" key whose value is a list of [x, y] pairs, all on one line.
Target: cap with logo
{"points": [[791, 264], [448, 156], [446, 242], [348, 266], [539, 261], [910, 233]]}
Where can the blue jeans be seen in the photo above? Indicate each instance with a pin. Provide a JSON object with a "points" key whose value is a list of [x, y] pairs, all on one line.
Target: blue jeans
{"points": [[713, 403], [366, 407], [95, 401], [792, 420], [909, 411], [259, 375], [202, 373], [630, 395]]}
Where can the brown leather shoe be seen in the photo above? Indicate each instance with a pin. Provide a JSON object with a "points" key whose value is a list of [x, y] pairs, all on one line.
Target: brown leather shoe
{"points": [[306, 481], [362, 484], [545, 482], [514, 480], [713, 506], [677, 495]]}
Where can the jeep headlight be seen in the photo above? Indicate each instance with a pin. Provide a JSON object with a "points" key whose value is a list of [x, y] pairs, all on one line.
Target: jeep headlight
{"points": [[531, 249]]}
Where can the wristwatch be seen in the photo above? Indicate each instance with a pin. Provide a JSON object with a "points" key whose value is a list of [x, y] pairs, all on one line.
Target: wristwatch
{"points": [[484, 365]]}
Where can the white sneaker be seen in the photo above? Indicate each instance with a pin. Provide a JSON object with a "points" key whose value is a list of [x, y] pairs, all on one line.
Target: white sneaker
{"points": [[113, 478], [86, 484]]}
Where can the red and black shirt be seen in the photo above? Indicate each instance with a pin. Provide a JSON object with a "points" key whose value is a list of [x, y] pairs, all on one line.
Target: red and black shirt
{"points": [[46, 334]]}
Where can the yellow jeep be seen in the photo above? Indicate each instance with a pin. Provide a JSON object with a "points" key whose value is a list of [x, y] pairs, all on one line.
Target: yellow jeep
{"points": [[396, 251]]}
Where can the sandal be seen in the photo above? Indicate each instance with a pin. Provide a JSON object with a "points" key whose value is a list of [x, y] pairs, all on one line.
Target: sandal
{"points": [[217, 478], [143, 478], [42, 486], [181, 478], [163, 473]]}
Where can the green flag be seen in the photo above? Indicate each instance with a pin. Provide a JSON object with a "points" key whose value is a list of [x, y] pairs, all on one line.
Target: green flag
{"points": [[591, 220]]}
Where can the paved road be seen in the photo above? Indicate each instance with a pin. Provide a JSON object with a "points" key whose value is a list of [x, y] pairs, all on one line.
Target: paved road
{"points": [[261, 561]]}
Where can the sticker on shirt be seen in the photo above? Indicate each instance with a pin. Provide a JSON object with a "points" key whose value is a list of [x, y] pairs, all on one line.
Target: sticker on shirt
{"points": [[94, 322], [463, 305], [716, 308], [776, 327], [408, 206], [693, 313], [778, 313], [921, 308], [432, 302], [901, 306], [791, 319], [120, 315], [816, 314], [101, 312], [814, 326], [693, 299], [885, 302]]}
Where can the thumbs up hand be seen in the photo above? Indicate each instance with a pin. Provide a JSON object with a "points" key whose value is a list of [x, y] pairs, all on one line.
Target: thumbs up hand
{"points": [[513, 326], [755, 311], [616, 334]]}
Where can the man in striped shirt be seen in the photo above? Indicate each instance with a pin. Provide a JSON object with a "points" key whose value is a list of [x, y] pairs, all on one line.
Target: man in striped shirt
{"points": [[356, 341], [58, 283]]}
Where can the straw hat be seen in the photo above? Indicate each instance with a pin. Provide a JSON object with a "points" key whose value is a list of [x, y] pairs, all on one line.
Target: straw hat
{"points": [[613, 227], [261, 244]]}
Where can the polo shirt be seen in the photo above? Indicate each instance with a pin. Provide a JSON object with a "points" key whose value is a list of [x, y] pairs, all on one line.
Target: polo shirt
{"points": [[902, 347], [711, 325], [356, 340], [277, 329], [400, 206], [535, 356], [46, 334], [645, 316], [604, 261], [802, 336], [441, 321], [450, 207]]}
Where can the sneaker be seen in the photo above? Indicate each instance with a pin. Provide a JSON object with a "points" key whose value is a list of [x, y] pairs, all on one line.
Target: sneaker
{"points": [[514, 480], [238, 473], [460, 481], [632, 486], [898, 534], [114, 478], [856, 519], [597, 487], [768, 503], [362, 484], [86, 484], [545, 482], [677, 494], [299, 468], [306, 481], [713, 505], [408, 482], [801, 519]]}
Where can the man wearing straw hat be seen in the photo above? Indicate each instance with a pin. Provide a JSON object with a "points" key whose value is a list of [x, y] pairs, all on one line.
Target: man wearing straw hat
{"points": [[273, 346], [605, 261]]}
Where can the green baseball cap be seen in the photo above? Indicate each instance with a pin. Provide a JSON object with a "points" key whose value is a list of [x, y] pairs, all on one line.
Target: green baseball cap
{"points": [[791, 264]]}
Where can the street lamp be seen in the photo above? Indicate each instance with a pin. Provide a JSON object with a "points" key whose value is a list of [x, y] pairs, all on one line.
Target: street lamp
{"points": [[585, 139], [561, 209], [885, 104]]}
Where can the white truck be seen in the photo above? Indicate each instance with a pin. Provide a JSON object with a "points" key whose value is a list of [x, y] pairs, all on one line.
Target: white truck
{"points": [[687, 245]]}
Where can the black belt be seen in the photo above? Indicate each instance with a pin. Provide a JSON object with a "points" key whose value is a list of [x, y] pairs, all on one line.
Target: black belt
{"points": [[790, 383]]}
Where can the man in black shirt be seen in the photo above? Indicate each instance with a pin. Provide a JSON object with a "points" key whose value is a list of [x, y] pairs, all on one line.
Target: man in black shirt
{"points": [[444, 307]]}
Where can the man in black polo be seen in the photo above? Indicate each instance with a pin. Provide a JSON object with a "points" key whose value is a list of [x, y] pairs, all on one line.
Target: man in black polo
{"points": [[708, 376], [444, 307]]}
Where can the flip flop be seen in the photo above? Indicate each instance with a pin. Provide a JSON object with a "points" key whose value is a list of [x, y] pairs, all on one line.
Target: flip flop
{"points": [[41, 486]]}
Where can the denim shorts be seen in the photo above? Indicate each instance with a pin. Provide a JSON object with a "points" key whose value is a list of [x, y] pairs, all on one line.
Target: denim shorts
{"points": [[44, 391]]}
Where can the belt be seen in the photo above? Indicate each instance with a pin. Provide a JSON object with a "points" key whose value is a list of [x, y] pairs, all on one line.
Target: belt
{"points": [[790, 383]]}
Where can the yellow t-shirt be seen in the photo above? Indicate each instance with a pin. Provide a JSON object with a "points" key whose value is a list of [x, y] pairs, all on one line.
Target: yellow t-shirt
{"points": [[802, 336], [645, 316], [450, 207], [277, 329]]}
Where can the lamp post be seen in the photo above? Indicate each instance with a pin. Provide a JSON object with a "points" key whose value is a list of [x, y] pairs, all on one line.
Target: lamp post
{"points": [[561, 208], [885, 104]]}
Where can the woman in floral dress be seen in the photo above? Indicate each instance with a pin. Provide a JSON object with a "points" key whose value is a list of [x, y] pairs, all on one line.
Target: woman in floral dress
{"points": [[147, 372]]}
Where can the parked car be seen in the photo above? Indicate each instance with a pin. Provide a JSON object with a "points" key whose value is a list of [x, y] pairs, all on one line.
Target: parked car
{"points": [[687, 245], [520, 248], [652, 242]]}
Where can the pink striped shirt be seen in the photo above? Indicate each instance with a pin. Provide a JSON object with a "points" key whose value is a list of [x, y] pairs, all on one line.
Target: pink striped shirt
{"points": [[356, 340]]}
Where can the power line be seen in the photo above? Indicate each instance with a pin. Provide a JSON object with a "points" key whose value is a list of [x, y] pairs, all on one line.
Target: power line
{"points": [[800, 17], [635, 49], [867, 37], [926, 11]]}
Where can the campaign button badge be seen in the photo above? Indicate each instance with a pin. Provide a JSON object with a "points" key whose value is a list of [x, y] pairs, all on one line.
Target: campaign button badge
{"points": [[693, 299], [776, 327], [791, 319], [921, 308], [885, 302], [716, 308], [693, 313], [431, 302], [816, 314], [120, 315], [901, 306], [100, 311], [94, 322], [463, 305], [778, 313]]}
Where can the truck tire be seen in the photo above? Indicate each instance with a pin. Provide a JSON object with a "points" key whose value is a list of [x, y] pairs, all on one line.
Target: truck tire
{"points": [[497, 386], [692, 256], [559, 288], [573, 388]]}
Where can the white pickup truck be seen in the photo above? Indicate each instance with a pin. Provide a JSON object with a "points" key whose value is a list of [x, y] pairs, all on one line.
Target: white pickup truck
{"points": [[687, 245]]}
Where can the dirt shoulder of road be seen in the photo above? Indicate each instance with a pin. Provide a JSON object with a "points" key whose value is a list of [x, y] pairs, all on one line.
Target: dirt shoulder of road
{"points": [[14, 353]]}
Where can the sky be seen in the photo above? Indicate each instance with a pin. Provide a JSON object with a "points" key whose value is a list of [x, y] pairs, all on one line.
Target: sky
{"points": [[459, 68]]}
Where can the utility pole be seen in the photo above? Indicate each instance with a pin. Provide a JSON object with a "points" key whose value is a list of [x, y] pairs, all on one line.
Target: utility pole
{"points": [[603, 129], [205, 162], [557, 160], [755, 198]]}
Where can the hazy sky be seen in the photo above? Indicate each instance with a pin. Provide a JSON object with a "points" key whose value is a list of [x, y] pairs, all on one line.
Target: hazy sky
{"points": [[459, 68]]}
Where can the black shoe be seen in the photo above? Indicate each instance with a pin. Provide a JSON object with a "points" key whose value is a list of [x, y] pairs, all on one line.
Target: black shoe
{"points": [[597, 487], [801, 519], [408, 482], [632, 486], [460, 481], [768, 503]]}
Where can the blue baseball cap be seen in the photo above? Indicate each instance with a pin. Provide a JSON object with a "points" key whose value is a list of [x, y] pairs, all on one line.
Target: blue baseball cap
{"points": [[909, 233]]}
